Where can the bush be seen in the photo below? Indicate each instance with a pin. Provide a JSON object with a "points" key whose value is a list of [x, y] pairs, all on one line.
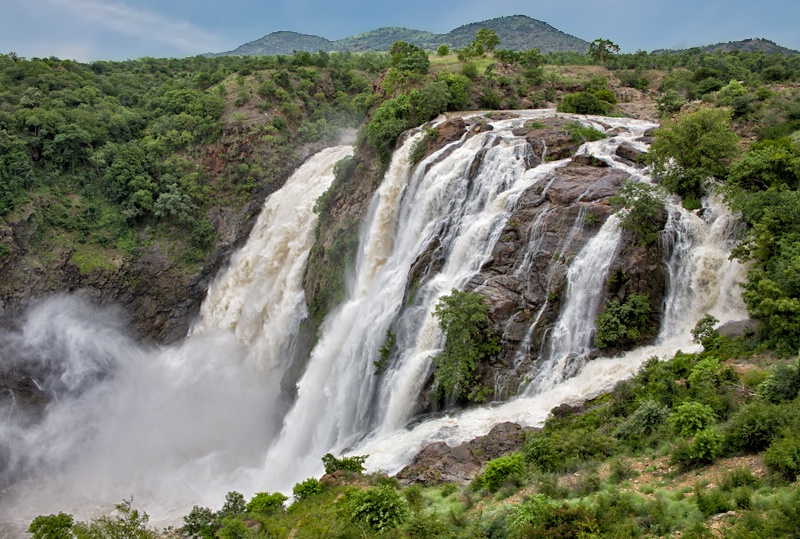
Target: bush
{"points": [[753, 427], [623, 322], [644, 213], [581, 133], [703, 449], [695, 147], [783, 456], [539, 451], [644, 421], [381, 508], [469, 339], [509, 468], [739, 477], [782, 384], [306, 489], [265, 503], [51, 527], [347, 464], [711, 502], [583, 103], [691, 417]]}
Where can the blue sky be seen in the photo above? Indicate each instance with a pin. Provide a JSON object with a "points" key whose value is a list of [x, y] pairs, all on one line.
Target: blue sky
{"points": [[119, 29]]}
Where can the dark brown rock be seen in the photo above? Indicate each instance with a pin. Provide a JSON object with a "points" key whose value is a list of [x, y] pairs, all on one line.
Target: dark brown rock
{"points": [[440, 463], [627, 152]]}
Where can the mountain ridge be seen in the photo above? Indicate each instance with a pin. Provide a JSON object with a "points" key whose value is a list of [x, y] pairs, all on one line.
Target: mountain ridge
{"points": [[516, 32]]}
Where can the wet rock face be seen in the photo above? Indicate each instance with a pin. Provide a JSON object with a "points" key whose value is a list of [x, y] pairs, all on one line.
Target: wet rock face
{"points": [[440, 463], [525, 279]]}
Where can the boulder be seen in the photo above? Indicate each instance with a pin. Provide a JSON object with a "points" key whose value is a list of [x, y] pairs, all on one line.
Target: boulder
{"points": [[440, 463]]}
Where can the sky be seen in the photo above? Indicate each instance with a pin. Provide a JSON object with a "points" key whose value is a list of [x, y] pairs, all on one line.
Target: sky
{"points": [[87, 30]]}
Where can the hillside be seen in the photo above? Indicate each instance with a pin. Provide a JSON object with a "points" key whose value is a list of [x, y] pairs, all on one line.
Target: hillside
{"points": [[281, 43], [745, 45], [516, 32]]}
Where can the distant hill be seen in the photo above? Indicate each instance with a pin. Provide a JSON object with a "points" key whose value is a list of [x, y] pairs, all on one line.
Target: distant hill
{"points": [[516, 32], [281, 43], [745, 45]]}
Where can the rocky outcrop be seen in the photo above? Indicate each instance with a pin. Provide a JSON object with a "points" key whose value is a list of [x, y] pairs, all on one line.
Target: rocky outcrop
{"points": [[440, 463]]}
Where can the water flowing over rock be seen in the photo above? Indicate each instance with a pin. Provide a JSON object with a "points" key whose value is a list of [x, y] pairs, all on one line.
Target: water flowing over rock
{"points": [[508, 206]]}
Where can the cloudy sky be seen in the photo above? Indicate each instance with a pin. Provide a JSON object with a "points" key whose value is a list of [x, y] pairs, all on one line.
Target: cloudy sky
{"points": [[119, 29]]}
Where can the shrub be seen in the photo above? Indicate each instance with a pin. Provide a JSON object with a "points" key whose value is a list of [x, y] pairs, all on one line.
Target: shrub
{"points": [[583, 103], [753, 427], [306, 489], [265, 503], [347, 464], [644, 213], [783, 456], [644, 421], [539, 451], [200, 523], [51, 527], [234, 505], [469, 339], [782, 384], [739, 477], [581, 133], [624, 321], [688, 151], [691, 417], [711, 502], [703, 449], [509, 468], [381, 508]]}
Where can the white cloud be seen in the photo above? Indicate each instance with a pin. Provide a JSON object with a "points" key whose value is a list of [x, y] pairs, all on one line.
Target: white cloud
{"points": [[141, 23]]}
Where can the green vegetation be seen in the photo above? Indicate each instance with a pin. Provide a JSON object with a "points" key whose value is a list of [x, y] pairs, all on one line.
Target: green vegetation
{"points": [[469, 340], [353, 464], [624, 321], [641, 211], [693, 149]]}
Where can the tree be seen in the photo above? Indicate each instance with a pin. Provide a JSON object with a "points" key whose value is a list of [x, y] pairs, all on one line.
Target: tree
{"points": [[52, 527], [469, 339], [690, 150], [488, 39], [600, 49], [407, 57], [443, 50], [643, 206]]}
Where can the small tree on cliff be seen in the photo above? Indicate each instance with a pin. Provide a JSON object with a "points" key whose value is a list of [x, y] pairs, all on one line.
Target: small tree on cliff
{"points": [[469, 339]]}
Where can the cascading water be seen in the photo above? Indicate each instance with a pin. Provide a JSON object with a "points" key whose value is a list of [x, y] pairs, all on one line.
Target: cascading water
{"points": [[174, 426], [183, 425]]}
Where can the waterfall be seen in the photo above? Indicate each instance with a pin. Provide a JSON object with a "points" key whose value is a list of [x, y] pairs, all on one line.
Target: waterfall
{"points": [[174, 426], [182, 425]]}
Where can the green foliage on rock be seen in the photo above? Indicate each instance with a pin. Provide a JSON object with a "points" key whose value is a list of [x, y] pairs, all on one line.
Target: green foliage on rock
{"points": [[623, 321], [469, 339], [584, 103], [644, 210], [348, 464]]}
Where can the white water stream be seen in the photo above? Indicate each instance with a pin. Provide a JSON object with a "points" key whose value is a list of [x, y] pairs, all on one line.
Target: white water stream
{"points": [[183, 425]]}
